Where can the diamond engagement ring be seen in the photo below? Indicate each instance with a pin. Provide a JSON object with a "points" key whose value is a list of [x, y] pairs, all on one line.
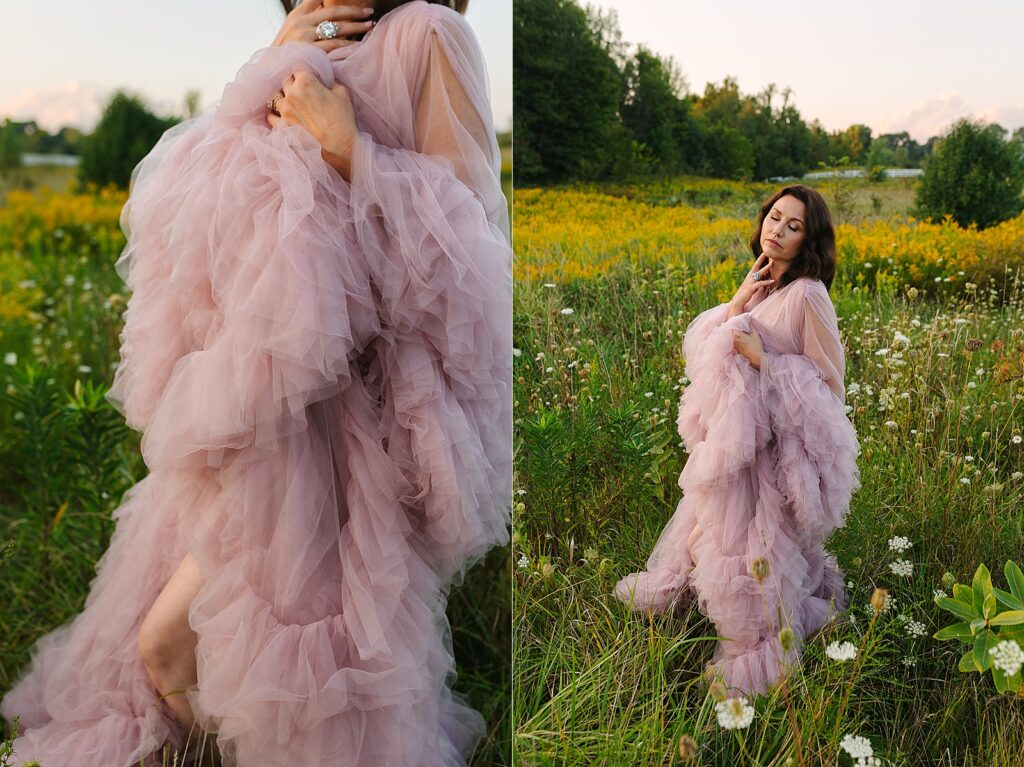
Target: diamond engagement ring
{"points": [[272, 104], [755, 276], [326, 30]]}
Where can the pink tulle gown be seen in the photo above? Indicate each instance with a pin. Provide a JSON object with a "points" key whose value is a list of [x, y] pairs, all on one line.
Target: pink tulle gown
{"points": [[770, 470], [321, 371]]}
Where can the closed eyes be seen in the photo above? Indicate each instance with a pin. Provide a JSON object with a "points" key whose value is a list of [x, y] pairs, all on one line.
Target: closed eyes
{"points": [[791, 227]]}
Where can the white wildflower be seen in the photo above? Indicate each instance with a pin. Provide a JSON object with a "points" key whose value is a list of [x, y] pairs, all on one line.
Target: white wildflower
{"points": [[916, 628], [523, 562], [734, 713], [902, 567], [566, 310], [11, 358], [899, 543], [1007, 656], [841, 651], [1016, 439], [856, 746]]}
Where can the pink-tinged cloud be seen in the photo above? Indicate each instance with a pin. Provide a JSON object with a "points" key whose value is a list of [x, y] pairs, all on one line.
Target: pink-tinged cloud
{"points": [[927, 118], [933, 116], [1010, 117], [74, 103]]}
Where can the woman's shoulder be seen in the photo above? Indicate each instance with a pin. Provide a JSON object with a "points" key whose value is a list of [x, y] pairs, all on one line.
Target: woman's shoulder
{"points": [[811, 287], [419, 15]]}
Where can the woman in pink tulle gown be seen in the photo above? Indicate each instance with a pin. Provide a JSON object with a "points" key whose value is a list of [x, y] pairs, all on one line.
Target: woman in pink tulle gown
{"points": [[771, 457], [317, 350]]}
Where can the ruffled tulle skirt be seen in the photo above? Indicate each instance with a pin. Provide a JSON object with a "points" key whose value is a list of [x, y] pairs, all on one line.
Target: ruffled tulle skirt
{"points": [[321, 373], [770, 470]]}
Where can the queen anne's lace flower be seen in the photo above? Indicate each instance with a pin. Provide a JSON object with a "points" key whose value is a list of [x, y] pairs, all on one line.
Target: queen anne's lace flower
{"points": [[734, 713], [900, 543], [856, 746], [916, 628], [841, 651], [1007, 656], [902, 567]]}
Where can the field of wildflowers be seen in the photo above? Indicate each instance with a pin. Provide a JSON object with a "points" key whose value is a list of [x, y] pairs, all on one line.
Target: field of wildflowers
{"points": [[66, 457], [932, 319]]}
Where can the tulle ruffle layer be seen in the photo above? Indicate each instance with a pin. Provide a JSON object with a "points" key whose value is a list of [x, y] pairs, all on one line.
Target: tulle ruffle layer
{"points": [[770, 471], [321, 371]]}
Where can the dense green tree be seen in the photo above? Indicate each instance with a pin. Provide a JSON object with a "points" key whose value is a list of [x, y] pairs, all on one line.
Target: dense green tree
{"points": [[11, 146], [126, 132], [727, 153], [566, 90], [974, 175], [657, 114], [818, 139]]}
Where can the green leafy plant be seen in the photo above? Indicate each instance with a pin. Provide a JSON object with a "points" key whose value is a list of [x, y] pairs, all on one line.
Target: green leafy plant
{"points": [[988, 615]]}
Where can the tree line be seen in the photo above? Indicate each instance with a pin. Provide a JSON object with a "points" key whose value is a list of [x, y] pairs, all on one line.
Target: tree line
{"points": [[587, 106]]}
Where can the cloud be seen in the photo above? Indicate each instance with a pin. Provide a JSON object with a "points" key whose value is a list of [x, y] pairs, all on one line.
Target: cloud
{"points": [[931, 117], [1010, 117], [74, 103], [928, 117]]}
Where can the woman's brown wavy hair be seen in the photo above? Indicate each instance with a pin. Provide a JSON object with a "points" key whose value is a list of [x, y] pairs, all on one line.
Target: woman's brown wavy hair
{"points": [[383, 6], [817, 257]]}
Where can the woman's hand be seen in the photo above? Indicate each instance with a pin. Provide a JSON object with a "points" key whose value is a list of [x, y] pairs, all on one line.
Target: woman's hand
{"points": [[749, 345], [301, 22], [326, 113], [749, 287]]}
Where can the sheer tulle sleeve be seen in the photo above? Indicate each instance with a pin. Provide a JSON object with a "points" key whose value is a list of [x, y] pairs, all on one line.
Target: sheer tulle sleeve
{"points": [[816, 439], [432, 222], [821, 341]]}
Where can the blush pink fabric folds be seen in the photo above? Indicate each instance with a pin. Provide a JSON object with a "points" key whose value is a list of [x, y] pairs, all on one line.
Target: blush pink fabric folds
{"points": [[321, 371], [770, 471]]}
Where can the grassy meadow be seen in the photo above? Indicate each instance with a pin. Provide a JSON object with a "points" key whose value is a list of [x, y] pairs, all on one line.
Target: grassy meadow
{"points": [[932, 319], [66, 457]]}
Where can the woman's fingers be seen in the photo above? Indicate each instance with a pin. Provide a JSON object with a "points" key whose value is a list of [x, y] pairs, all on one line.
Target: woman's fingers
{"points": [[308, 6], [334, 44], [338, 13]]}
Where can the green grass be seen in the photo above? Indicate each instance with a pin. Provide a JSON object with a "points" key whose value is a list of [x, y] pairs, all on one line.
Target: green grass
{"points": [[597, 461]]}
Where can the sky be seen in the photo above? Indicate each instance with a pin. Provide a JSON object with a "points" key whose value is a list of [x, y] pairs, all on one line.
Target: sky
{"points": [[62, 59], [894, 66]]}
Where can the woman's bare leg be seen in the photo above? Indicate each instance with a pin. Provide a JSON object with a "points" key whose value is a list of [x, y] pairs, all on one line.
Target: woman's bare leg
{"points": [[167, 643], [692, 540]]}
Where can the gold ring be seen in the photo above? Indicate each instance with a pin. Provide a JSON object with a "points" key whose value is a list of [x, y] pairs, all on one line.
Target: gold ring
{"points": [[272, 104]]}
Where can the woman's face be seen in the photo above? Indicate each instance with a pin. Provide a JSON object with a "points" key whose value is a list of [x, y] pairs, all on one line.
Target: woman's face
{"points": [[783, 229]]}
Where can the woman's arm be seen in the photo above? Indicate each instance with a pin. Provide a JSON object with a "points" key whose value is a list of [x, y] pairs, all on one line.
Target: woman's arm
{"points": [[822, 343], [822, 349]]}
